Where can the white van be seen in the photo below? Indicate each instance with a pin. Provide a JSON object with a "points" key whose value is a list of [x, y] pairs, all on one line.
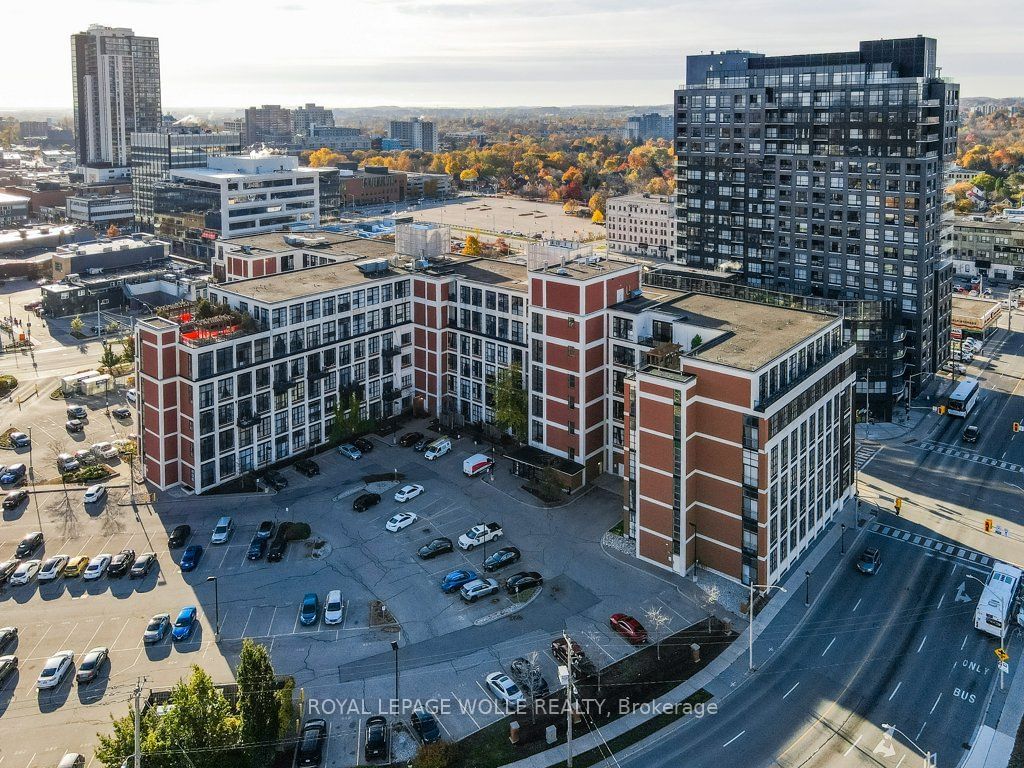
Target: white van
{"points": [[439, 447], [222, 532], [477, 463]]}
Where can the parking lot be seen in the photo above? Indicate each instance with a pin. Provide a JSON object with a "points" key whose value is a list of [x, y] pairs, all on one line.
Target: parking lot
{"points": [[346, 670], [508, 215]]}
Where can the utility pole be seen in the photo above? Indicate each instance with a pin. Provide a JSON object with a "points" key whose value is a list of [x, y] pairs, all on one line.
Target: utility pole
{"points": [[138, 724], [568, 697]]}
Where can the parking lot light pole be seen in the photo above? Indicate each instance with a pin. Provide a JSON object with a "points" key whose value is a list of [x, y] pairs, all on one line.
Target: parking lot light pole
{"points": [[216, 605], [394, 647], [807, 587], [842, 538], [750, 617]]}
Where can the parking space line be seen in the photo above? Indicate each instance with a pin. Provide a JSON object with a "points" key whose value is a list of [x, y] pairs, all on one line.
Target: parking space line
{"points": [[70, 635], [248, 619], [123, 628], [98, 628], [32, 653]]}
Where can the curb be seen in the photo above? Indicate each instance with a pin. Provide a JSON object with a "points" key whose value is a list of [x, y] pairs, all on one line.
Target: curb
{"points": [[507, 611]]}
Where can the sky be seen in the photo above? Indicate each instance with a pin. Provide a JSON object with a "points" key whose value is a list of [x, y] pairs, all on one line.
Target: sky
{"points": [[484, 53]]}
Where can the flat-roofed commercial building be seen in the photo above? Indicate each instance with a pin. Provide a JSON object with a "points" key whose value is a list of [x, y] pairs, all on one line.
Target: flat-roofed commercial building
{"points": [[993, 248]]}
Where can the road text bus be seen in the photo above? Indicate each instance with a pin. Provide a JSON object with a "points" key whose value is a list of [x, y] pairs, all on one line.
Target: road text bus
{"points": [[995, 606], [963, 398]]}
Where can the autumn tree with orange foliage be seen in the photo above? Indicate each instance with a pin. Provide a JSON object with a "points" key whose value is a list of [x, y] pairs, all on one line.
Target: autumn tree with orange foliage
{"points": [[324, 157]]}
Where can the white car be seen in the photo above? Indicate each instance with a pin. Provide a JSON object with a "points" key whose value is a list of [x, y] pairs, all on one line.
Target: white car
{"points": [[94, 493], [130, 396], [408, 492], [53, 568], [401, 520], [334, 607], [55, 669], [96, 567], [953, 367], [478, 588], [504, 689], [104, 450], [25, 572]]}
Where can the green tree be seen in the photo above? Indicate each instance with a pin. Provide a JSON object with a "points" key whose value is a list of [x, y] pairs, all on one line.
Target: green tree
{"points": [[510, 400], [697, 341], [128, 345], [355, 421], [286, 714], [200, 730], [257, 703], [114, 747], [109, 358], [77, 324], [440, 754]]}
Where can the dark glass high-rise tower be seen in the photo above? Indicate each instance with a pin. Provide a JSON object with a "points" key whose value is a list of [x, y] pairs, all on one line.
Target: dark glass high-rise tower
{"points": [[822, 175]]}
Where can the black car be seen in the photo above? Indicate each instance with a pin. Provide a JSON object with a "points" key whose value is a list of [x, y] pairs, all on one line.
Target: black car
{"points": [[29, 544], [364, 445], [7, 636], [501, 558], [971, 434], [257, 547], [179, 536], [377, 732], [425, 725], [422, 444], [8, 664], [435, 548], [266, 530], [528, 677], [517, 582], [275, 479], [870, 561], [14, 498], [364, 501], [121, 563], [122, 412], [308, 467], [310, 749], [142, 566], [7, 568], [74, 425], [277, 548], [410, 439]]}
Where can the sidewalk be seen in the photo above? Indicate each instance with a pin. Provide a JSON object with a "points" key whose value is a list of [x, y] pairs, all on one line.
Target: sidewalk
{"points": [[729, 670], [994, 740]]}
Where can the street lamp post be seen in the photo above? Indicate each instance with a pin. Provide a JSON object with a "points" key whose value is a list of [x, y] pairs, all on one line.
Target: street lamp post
{"points": [[807, 587], [1002, 625], [842, 538], [32, 474], [926, 755], [750, 618], [216, 605], [394, 647]]}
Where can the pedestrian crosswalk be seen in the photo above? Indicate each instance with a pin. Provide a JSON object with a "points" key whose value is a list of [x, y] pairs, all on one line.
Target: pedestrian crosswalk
{"points": [[962, 453], [945, 548], [865, 452]]}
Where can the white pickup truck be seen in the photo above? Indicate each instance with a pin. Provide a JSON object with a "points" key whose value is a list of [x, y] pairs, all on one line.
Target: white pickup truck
{"points": [[480, 534]]}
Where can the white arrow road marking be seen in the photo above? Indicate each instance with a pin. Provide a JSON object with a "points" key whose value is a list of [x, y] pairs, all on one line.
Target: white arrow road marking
{"points": [[961, 593]]}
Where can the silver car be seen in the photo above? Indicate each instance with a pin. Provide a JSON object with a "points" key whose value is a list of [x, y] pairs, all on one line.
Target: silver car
{"points": [[478, 588]]}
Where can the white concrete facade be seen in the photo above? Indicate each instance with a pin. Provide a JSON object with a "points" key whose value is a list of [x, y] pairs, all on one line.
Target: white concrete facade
{"points": [[640, 225]]}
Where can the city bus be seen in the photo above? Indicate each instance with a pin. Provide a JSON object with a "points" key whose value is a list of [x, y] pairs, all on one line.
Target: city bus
{"points": [[995, 606], [963, 398]]}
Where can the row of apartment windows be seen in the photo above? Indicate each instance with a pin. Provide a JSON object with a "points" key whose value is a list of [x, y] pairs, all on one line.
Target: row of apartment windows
{"points": [[494, 300]]}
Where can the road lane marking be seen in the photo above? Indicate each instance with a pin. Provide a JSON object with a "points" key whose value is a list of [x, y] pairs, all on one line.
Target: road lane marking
{"points": [[964, 643], [922, 643], [940, 601], [828, 646], [898, 685], [935, 704], [730, 741], [852, 746], [856, 606], [904, 757], [921, 731], [790, 690]]}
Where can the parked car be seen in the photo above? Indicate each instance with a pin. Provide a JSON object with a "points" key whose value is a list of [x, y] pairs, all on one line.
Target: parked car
{"points": [[425, 725], [870, 561], [627, 626], [185, 624], [131, 396], [308, 467], [104, 450], [15, 473], [523, 580], [478, 588], [435, 547], [84, 457], [66, 463], [222, 531], [72, 760], [438, 448], [74, 426], [94, 493], [20, 440], [453, 581], [410, 439], [501, 558], [334, 607], [951, 366], [91, 665], [401, 520], [275, 479], [377, 738], [7, 637], [363, 445], [77, 412], [421, 444], [190, 557], [121, 563], [971, 434], [14, 498], [349, 451], [53, 567], [504, 689], [97, 567], [364, 501], [581, 663], [480, 534], [8, 666], [7, 569], [407, 492], [309, 751], [142, 566], [29, 544], [25, 572], [265, 529], [157, 628], [179, 535], [76, 566], [310, 610], [257, 548], [122, 412], [276, 550], [55, 669]]}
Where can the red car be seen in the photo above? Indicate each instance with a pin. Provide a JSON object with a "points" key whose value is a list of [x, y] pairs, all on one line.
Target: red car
{"points": [[631, 629]]}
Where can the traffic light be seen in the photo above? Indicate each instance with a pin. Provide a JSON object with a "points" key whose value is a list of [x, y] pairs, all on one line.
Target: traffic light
{"points": [[899, 504], [988, 525], [1016, 426], [942, 410]]}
